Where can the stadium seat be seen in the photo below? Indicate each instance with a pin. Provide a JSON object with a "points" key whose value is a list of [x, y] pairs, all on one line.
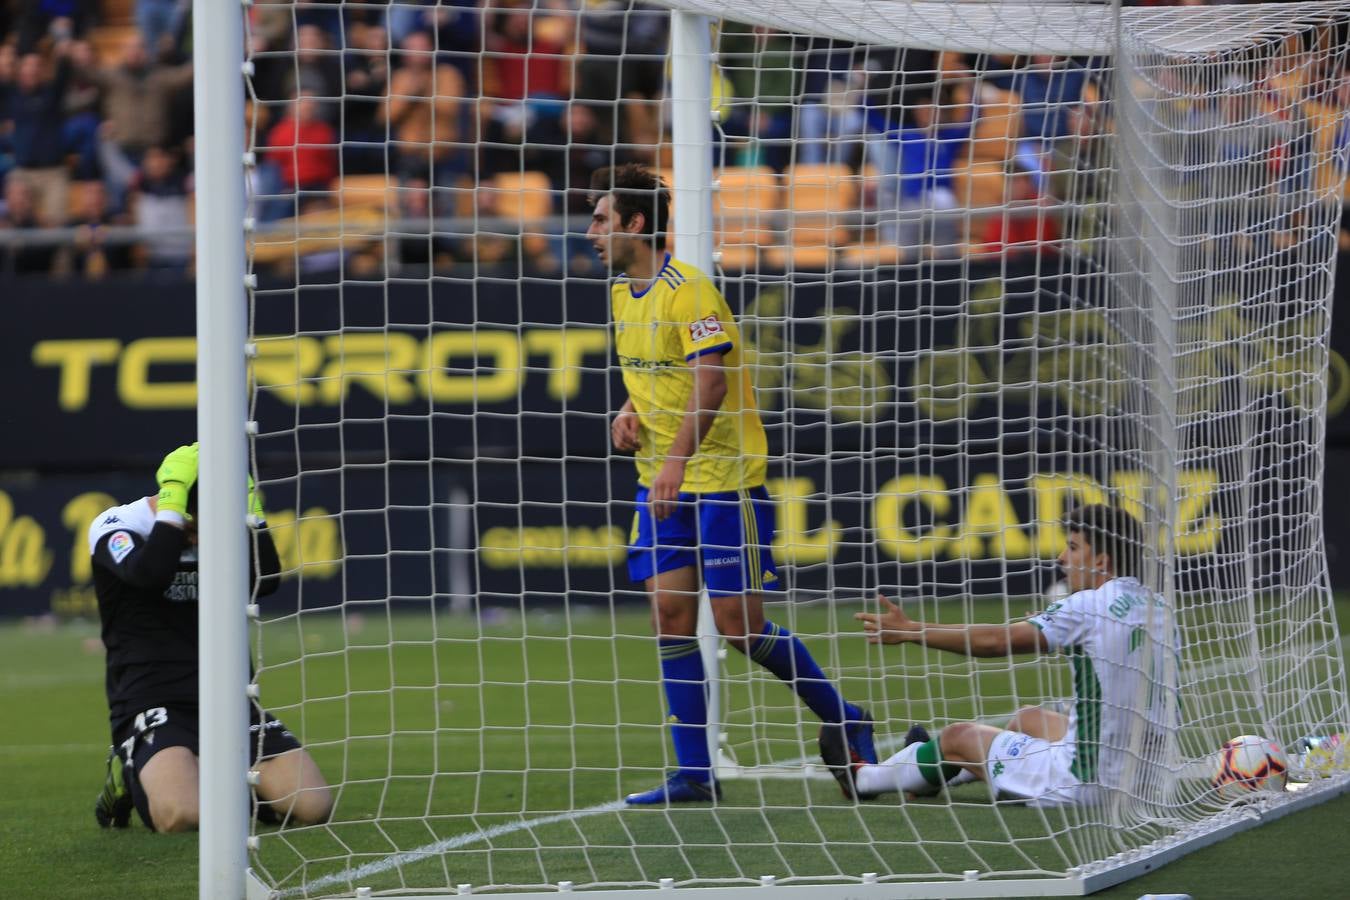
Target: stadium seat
{"points": [[524, 198], [520, 196], [318, 232], [742, 209], [375, 192], [819, 203]]}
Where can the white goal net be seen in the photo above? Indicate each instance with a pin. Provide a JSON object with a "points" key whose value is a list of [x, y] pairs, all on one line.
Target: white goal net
{"points": [[989, 262]]}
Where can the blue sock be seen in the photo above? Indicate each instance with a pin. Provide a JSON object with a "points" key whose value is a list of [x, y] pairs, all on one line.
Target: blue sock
{"points": [[686, 694], [785, 656]]}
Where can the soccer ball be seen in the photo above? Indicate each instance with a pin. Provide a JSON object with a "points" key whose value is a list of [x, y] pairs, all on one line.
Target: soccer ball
{"points": [[1248, 764]]}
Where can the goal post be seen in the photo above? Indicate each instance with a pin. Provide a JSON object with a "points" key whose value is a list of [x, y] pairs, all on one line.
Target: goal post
{"points": [[989, 261]]}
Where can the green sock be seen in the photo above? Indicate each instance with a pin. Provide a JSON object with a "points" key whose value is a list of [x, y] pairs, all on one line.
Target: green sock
{"points": [[934, 773]]}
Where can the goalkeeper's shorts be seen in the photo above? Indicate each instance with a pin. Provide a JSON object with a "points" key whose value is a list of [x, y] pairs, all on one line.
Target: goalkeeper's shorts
{"points": [[140, 737], [729, 534], [1022, 767]]}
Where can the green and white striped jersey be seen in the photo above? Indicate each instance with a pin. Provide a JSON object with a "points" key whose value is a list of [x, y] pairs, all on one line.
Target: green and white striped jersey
{"points": [[1124, 675]]}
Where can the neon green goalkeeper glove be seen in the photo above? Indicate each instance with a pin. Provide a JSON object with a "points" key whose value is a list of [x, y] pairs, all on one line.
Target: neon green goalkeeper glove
{"points": [[176, 476], [255, 507]]}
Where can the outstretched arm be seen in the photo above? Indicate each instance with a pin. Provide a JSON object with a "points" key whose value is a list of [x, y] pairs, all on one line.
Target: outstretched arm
{"points": [[892, 626]]}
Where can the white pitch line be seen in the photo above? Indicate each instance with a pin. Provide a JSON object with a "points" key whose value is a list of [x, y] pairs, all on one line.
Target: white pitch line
{"points": [[435, 849], [463, 840]]}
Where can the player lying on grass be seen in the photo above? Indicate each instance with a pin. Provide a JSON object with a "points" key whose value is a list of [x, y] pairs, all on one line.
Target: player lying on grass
{"points": [[703, 517], [1114, 631], [145, 575]]}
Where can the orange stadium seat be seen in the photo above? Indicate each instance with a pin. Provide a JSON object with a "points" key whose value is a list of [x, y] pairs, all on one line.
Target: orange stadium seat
{"points": [[374, 192], [525, 198], [742, 208], [818, 201]]}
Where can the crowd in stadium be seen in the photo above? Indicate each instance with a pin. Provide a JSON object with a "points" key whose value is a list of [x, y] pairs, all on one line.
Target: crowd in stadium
{"points": [[434, 113]]}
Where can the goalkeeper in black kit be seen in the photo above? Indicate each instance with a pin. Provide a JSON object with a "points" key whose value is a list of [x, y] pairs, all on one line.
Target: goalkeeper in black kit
{"points": [[145, 575]]}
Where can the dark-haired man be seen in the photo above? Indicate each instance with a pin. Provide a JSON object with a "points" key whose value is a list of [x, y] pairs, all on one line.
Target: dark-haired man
{"points": [[1115, 633], [145, 575], [703, 519]]}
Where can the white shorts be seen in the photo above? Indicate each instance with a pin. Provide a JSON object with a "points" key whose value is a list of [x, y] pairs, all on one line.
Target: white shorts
{"points": [[1022, 767]]}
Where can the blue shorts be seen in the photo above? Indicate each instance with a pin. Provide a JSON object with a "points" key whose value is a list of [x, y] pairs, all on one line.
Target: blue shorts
{"points": [[730, 533]]}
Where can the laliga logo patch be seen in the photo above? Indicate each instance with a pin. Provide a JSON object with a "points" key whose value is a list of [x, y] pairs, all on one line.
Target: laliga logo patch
{"points": [[119, 545], [704, 328]]}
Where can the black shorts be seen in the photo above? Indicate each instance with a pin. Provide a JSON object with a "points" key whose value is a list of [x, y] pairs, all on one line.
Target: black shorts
{"points": [[140, 737]]}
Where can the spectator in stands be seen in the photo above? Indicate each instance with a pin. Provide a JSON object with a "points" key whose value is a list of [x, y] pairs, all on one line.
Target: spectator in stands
{"points": [[526, 66], [316, 68], [1050, 89], [454, 26], [81, 108], [830, 118], [622, 65], [366, 71], [763, 67], [37, 109], [303, 147], [8, 68], [161, 204], [89, 254], [589, 145], [426, 102], [419, 244], [61, 20], [915, 163], [159, 22], [20, 215], [136, 106], [1023, 224]]}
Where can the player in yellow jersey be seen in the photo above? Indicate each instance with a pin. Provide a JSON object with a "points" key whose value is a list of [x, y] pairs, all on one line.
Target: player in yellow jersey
{"points": [[703, 518]]}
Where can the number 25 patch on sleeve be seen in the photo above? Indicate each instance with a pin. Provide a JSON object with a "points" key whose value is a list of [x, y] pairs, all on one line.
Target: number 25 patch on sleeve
{"points": [[704, 328], [119, 545]]}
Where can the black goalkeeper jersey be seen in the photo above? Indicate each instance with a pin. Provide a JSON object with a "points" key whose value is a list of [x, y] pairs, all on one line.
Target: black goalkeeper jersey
{"points": [[145, 575]]}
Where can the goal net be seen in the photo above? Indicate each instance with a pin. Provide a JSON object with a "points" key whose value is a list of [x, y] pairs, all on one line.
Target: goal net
{"points": [[989, 261]]}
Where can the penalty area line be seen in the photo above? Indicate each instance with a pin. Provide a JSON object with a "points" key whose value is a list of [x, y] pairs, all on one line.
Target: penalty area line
{"points": [[429, 851]]}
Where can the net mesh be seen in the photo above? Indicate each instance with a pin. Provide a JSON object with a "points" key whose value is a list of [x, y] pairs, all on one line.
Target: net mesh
{"points": [[989, 261]]}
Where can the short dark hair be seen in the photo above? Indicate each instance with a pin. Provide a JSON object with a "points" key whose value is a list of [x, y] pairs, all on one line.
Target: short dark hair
{"points": [[634, 189], [1113, 531]]}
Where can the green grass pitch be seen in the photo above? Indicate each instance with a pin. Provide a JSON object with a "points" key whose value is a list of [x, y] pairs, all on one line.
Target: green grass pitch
{"points": [[445, 712]]}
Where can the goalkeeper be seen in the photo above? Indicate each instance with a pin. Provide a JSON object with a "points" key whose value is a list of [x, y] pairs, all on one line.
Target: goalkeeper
{"points": [[703, 517], [1112, 628], [145, 575]]}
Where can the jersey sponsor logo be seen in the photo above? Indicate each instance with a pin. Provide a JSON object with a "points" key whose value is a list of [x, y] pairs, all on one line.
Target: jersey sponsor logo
{"points": [[111, 520], [183, 589], [704, 328], [119, 545], [637, 362]]}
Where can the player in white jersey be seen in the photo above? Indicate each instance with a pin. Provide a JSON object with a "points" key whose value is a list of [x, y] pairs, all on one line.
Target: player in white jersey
{"points": [[1115, 632]]}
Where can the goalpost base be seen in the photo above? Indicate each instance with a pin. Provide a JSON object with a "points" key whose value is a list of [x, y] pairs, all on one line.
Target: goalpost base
{"points": [[1077, 883]]}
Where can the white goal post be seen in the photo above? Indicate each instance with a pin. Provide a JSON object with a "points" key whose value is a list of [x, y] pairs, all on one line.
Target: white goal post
{"points": [[990, 260]]}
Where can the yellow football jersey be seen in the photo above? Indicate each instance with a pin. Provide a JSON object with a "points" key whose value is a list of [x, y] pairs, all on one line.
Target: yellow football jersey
{"points": [[657, 332]]}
